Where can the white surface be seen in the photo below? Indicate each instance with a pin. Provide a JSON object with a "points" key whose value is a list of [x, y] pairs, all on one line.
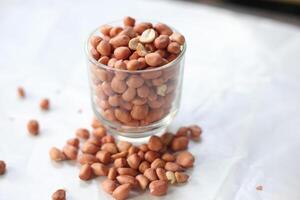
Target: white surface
{"points": [[241, 84]]}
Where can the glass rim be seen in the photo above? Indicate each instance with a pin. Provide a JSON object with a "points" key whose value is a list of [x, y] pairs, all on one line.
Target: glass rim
{"points": [[106, 67]]}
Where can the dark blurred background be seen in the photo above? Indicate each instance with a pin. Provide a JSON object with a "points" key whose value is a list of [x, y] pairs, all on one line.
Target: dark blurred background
{"points": [[282, 10]]}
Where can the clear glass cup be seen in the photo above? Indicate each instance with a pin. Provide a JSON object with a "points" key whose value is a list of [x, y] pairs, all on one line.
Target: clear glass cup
{"points": [[157, 95]]}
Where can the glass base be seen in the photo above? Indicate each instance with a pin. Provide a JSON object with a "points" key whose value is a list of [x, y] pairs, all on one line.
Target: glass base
{"points": [[136, 134]]}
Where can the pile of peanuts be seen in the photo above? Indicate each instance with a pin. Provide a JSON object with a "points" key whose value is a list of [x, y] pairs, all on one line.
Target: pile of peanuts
{"points": [[145, 92], [128, 167]]}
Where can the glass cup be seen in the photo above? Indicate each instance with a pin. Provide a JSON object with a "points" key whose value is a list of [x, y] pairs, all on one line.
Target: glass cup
{"points": [[135, 104]]}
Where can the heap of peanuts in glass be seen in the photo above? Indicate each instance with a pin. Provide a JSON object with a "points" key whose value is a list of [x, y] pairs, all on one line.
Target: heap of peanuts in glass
{"points": [[147, 91], [127, 167]]}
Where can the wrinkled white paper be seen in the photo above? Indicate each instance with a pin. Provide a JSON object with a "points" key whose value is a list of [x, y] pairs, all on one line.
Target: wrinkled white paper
{"points": [[241, 84]]}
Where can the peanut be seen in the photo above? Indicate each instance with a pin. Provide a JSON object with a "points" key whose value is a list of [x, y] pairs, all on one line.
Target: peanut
{"points": [[153, 59], [161, 42], [95, 40], [171, 177], [141, 27], [183, 131], [59, 195], [196, 132], [86, 172], [108, 139], [118, 86], [82, 133], [70, 152], [115, 31], [112, 173], [168, 157], [158, 188], [44, 104], [135, 81], [134, 161], [133, 65], [150, 156], [105, 29], [150, 174], [74, 142], [2, 167], [104, 48], [127, 171], [129, 94], [119, 40], [103, 156], [99, 169], [161, 174], [33, 127], [143, 166], [95, 54], [128, 21], [158, 163], [119, 155], [109, 186], [163, 29], [56, 154], [90, 148], [87, 159], [148, 36], [121, 192], [155, 143], [143, 181], [110, 147], [123, 146], [124, 179], [120, 162], [179, 143], [181, 177], [95, 123], [139, 112], [177, 37], [122, 115], [141, 50], [104, 60], [174, 48], [133, 43], [128, 31], [171, 166], [185, 159], [21, 92], [99, 132], [122, 53], [120, 64]]}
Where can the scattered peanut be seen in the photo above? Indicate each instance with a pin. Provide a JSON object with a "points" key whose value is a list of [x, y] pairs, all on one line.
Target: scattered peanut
{"points": [[121, 192], [56, 154], [2, 167], [86, 172], [158, 188], [21, 92], [59, 195], [44, 104], [83, 133], [33, 127], [181, 177], [185, 159], [109, 186]]}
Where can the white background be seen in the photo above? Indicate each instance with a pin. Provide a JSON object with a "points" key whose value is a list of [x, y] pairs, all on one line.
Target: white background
{"points": [[241, 84]]}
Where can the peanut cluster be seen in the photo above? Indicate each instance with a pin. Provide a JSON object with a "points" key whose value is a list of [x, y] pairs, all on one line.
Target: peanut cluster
{"points": [[128, 167], [145, 93]]}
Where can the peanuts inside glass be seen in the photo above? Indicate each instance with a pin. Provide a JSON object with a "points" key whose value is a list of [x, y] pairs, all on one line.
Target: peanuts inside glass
{"points": [[135, 72]]}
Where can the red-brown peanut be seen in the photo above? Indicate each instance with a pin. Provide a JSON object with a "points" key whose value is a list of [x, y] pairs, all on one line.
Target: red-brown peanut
{"points": [[158, 187], [109, 186]]}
